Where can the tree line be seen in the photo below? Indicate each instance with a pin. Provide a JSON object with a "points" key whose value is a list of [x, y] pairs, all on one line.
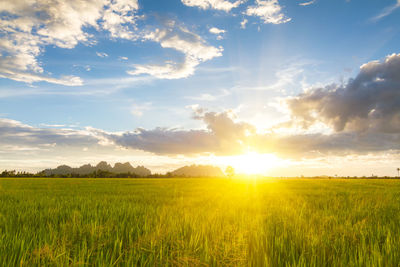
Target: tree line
{"points": [[94, 174], [119, 170]]}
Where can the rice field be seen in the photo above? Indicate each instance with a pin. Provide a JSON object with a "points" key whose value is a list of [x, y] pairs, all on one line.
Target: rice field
{"points": [[199, 222]]}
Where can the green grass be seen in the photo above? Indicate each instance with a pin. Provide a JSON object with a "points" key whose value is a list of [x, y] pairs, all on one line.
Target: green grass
{"points": [[192, 222]]}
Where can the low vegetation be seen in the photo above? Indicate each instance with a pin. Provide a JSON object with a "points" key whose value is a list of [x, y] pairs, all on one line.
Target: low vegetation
{"points": [[195, 222]]}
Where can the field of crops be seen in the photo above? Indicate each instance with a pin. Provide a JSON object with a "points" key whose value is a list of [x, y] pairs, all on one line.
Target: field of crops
{"points": [[192, 222]]}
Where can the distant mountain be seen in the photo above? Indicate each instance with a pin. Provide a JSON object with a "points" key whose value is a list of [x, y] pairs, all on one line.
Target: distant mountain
{"points": [[198, 171], [102, 166], [62, 169], [125, 168]]}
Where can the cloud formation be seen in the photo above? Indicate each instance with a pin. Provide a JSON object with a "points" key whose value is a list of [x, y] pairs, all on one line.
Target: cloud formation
{"points": [[210, 97], [386, 11], [101, 54], [218, 32], [19, 135], [320, 145], [268, 10], [193, 47], [243, 23], [27, 27], [369, 102], [364, 117], [226, 136], [307, 3], [222, 136], [215, 30], [223, 5], [30, 148]]}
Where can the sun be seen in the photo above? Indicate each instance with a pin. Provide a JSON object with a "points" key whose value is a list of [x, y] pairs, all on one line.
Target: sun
{"points": [[253, 163]]}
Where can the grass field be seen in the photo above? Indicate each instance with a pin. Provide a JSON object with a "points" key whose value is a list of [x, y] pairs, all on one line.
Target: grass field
{"points": [[192, 222]]}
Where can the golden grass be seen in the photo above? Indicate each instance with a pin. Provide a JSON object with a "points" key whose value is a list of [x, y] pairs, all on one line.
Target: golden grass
{"points": [[199, 222]]}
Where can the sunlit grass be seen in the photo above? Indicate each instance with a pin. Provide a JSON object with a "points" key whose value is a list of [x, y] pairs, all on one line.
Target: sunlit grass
{"points": [[193, 222]]}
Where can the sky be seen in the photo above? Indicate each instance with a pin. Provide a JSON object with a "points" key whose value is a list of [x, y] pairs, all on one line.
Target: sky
{"points": [[274, 87]]}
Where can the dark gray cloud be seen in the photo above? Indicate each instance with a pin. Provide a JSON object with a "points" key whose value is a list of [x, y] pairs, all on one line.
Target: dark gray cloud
{"points": [[369, 102]]}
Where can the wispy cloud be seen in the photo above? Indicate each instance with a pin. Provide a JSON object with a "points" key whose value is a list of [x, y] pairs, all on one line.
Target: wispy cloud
{"points": [[287, 76], [308, 3], [137, 110], [386, 11], [101, 54], [94, 87], [22, 76], [209, 97]]}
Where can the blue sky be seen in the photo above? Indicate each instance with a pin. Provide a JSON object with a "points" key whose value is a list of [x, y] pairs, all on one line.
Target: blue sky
{"points": [[116, 66]]}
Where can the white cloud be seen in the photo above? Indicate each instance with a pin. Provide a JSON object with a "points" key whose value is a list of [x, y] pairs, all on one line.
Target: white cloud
{"points": [[138, 109], [218, 32], [307, 3], [168, 70], [27, 27], [268, 10], [203, 97], [209, 97], [194, 48], [101, 54], [213, 4], [119, 18], [243, 23], [215, 30], [123, 58]]}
